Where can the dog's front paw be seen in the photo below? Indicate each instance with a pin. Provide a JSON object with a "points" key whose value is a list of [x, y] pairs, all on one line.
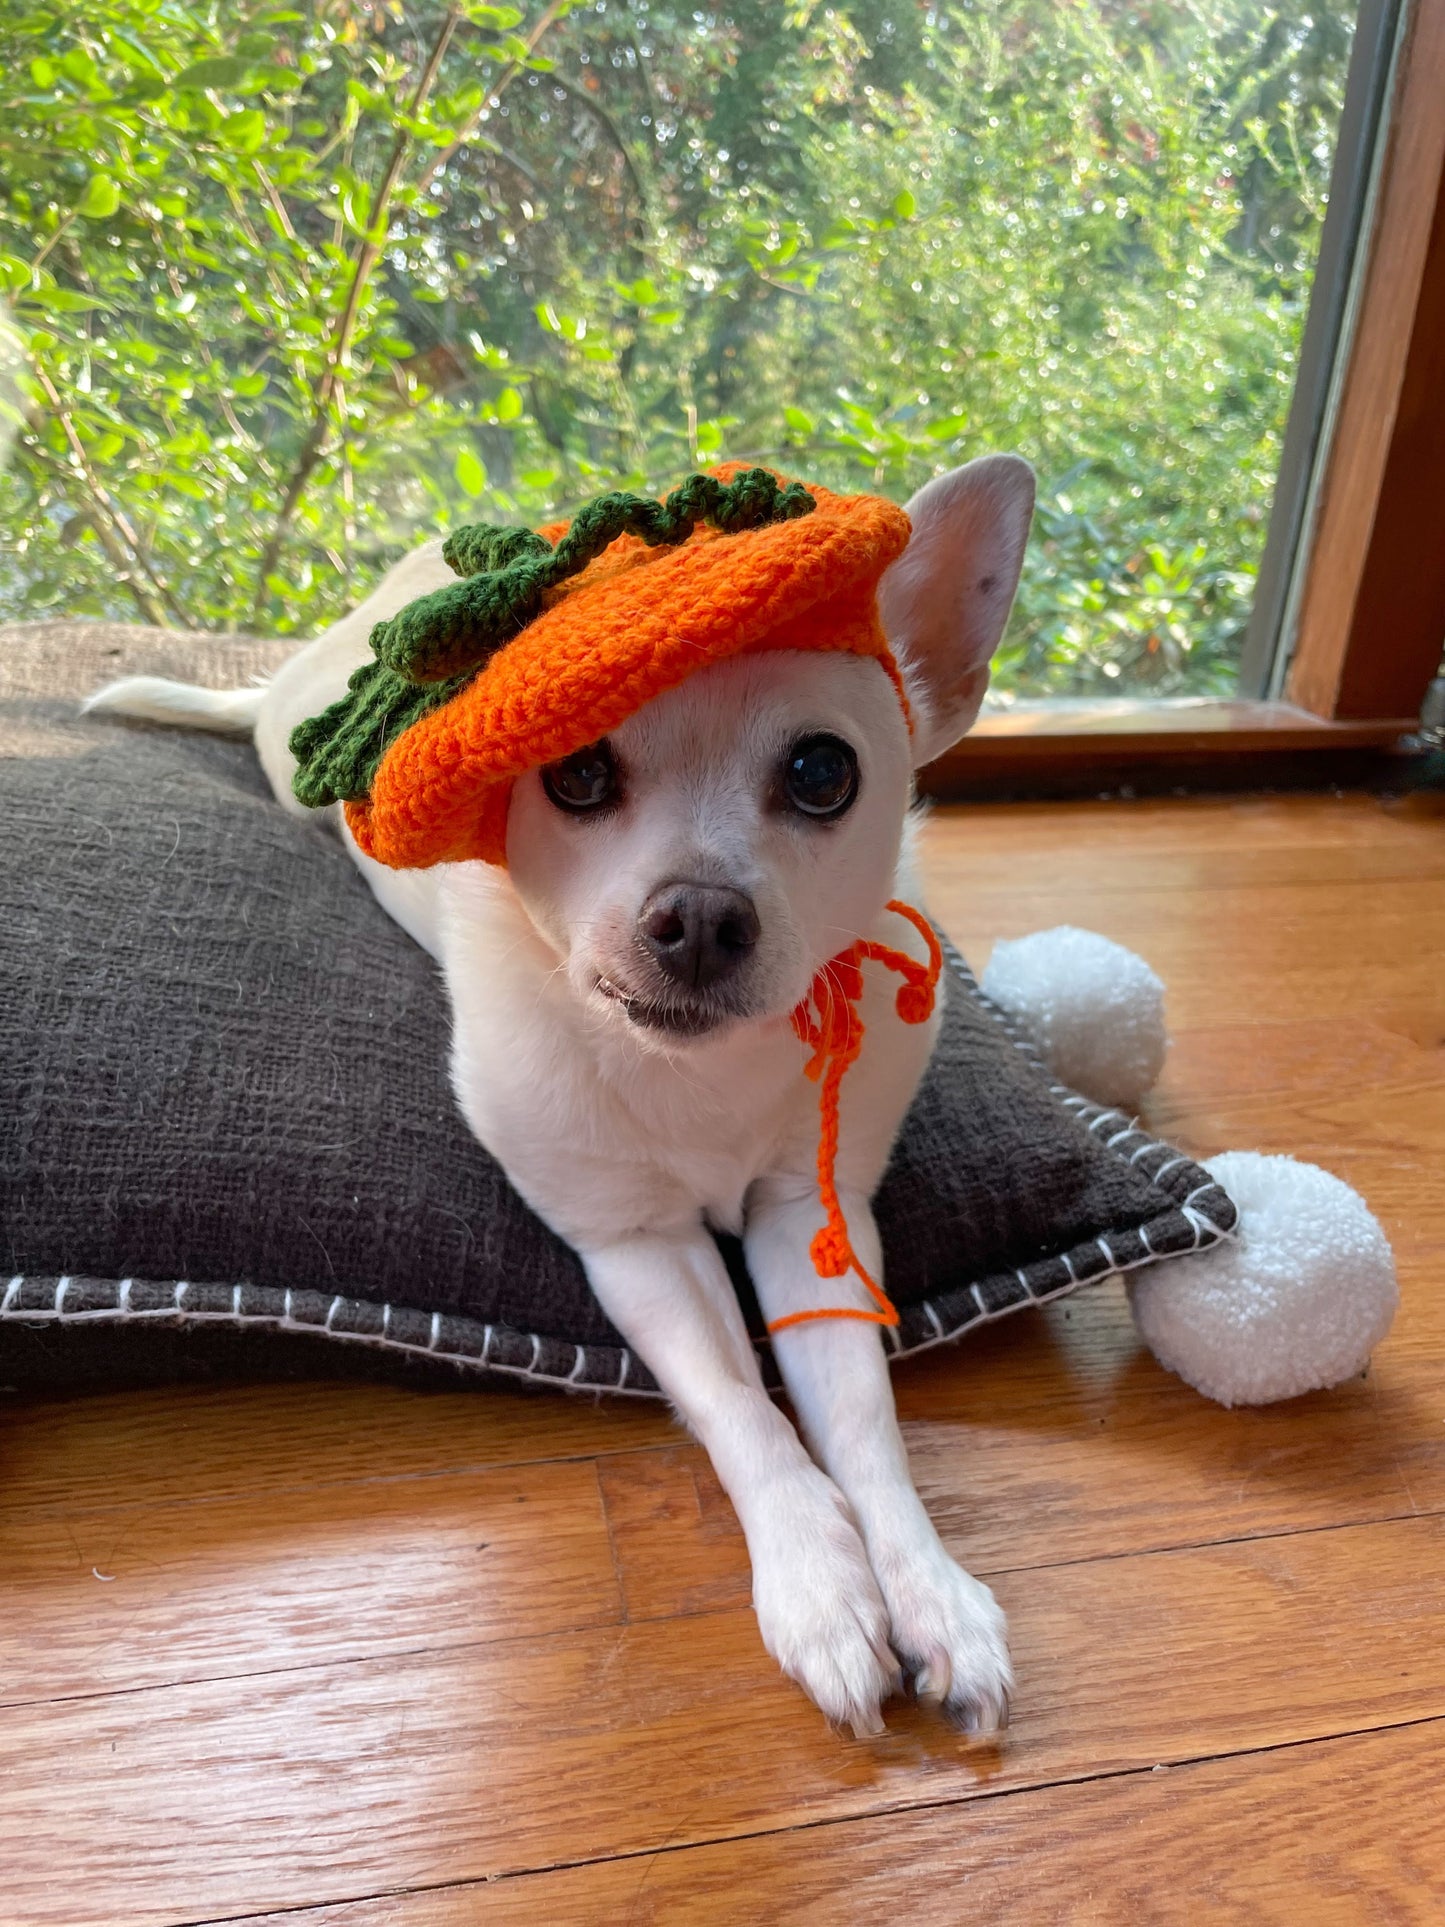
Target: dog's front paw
{"points": [[819, 1609], [951, 1633]]}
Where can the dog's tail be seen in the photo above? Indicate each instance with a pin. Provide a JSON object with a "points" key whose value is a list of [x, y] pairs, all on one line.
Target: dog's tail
{"points": [[156, 699]]}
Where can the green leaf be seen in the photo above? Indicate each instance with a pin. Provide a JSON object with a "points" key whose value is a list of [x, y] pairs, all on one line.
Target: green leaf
{"points": [[78, 65], [904, 205], [470, 472], [798, 421], [221, 70], [267, 77], [60, 300], [42, 72], [135, 348], [100, 199], [245, 131], [509, 405], [356, 203], [248, 386]]}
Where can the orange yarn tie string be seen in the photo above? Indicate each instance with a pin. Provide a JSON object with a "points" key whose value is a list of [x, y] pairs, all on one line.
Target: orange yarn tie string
{"points": [[827, 1021]]}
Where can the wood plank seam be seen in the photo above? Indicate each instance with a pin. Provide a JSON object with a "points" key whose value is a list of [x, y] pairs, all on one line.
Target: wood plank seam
{"points": [[994, 1570], [830, 1824], [59, 1508], [452, 1648]]}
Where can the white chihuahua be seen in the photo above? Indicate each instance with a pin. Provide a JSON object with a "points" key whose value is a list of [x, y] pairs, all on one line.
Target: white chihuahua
{"points": [[621, 995]]}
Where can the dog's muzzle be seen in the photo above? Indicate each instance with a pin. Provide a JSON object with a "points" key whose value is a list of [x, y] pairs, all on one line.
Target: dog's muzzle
{"points": [[692, 942]]}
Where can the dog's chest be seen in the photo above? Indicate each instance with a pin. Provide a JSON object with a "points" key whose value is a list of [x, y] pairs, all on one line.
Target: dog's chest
{"points": [[711, 1130], [603, 1141]]}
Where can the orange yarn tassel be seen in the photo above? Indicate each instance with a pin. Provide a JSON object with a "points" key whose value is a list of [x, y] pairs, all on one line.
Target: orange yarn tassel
{"points": [[827, 1021]]}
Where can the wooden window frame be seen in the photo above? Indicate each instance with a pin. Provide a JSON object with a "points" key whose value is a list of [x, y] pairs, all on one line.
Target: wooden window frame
{"points": [[1364, 626]]}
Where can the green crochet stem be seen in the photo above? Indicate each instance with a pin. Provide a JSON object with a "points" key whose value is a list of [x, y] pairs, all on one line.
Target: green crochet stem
{"points": [[434, 646]]}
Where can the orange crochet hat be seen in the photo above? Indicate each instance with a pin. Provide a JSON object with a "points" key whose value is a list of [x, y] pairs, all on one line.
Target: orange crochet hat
{"points": [[424, 750]]}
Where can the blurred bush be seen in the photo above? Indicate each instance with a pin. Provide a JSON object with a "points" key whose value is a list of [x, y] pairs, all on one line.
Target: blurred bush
{"points": [[290, 286]]}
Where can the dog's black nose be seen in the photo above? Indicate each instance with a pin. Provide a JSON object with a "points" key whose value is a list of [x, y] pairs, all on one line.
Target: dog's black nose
{"points": [[698, 933]]}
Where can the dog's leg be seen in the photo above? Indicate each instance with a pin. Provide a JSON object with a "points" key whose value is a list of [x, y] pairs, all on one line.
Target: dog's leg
{"points": [[817, 1602], [945, 1625]]}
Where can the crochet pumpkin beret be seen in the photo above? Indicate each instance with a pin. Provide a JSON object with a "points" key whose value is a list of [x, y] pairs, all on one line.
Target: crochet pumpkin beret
{"points": [[552, 638]]}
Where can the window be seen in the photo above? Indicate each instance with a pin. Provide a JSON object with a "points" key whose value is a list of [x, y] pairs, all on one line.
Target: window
{"points": [[332, 276]]}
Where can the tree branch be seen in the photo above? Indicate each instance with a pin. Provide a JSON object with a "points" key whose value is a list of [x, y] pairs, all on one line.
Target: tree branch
{"points": [[314, 444], [549, 16], [173, 279], [61, 230], [148, 604], [609, 127], [110, 509], [278, 206]]}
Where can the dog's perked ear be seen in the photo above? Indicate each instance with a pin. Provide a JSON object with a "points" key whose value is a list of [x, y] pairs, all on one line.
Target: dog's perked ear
{"points": [[946, 599]]}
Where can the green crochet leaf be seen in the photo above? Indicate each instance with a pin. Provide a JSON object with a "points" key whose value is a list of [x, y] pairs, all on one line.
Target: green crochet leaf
{"points": [[432, 648], [338, 752]]}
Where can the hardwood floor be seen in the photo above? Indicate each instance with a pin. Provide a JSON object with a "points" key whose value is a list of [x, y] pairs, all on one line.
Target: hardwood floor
{"points": [[516, 1678]]}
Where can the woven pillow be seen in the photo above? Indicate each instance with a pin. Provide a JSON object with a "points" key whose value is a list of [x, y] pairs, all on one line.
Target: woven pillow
{"points": [[227, 1139]]}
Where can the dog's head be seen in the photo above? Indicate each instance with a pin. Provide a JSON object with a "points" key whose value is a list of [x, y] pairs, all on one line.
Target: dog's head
{"points": [[699, 866]]}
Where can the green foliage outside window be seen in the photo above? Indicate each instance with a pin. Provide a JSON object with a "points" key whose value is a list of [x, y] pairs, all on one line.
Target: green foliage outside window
{"points": [[290, 286]]}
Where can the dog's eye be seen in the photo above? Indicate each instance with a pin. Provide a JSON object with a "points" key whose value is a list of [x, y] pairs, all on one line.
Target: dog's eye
{"points": [[584, 781], [820, 776]]}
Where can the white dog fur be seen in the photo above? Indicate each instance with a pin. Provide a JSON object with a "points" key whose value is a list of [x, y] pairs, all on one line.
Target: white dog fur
{"points": [[633, 1142]]}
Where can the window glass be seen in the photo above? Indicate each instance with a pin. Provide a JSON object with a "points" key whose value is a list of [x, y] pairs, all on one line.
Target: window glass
{"points": [[291, 286]]}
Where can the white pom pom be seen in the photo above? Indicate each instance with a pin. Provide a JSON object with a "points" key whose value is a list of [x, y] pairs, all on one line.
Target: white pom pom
{"points": [[1295, 1303], [1092, 1009]]}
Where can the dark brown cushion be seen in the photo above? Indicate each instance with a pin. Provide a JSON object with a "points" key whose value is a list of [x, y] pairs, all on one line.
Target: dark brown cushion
{"points": [[226, 1130]]}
